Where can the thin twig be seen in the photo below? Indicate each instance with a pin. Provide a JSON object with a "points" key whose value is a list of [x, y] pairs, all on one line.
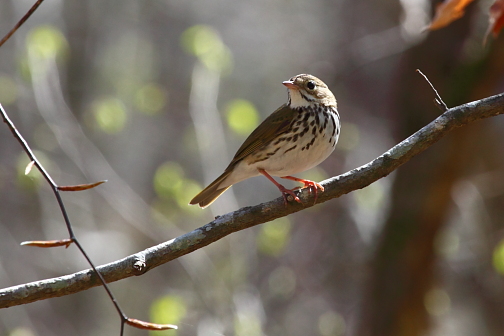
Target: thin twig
{"points": [[250, 216], [20, 22], [56, 192], [439, 101], [56, 189]]}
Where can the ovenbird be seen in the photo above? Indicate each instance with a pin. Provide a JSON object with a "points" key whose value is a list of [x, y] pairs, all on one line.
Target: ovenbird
{"points": [[296, 137]]}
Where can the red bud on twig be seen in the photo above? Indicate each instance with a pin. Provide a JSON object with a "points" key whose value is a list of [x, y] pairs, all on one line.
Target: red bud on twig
{"points": [[149, 326], [29, 167], [80, 187], [48, 243]]}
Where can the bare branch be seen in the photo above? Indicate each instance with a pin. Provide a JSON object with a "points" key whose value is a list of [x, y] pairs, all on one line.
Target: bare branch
{"points": [[56, 190], [438, 100], [222, 226], [20, 22]]}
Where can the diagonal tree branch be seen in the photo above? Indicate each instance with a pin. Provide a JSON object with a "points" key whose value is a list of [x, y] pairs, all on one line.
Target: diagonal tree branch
{"points": [[246, 217]]}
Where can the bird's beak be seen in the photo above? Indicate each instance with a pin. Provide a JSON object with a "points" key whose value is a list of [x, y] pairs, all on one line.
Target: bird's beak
{"points": [[290, 85]]}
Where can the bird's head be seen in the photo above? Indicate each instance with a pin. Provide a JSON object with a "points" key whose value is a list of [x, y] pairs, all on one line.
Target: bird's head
{"points": [[306, 90]]}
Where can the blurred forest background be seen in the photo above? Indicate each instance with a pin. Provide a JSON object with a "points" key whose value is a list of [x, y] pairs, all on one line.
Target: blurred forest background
{"points": [[155, 96]]}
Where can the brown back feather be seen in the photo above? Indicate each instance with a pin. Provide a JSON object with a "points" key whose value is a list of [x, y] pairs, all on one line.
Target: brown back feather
{"points": [[277, 123]]}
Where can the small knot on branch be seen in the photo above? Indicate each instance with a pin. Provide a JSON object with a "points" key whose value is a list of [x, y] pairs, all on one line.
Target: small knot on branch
{"points": [[139, 266]]}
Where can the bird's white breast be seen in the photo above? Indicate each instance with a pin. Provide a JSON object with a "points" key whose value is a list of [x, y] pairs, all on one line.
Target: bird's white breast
{"points": [[294, 152]]}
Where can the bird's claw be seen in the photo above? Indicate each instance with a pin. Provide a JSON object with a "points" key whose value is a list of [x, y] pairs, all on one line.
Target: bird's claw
{"points": [[289, 192], [307, 184], [313, 186]]}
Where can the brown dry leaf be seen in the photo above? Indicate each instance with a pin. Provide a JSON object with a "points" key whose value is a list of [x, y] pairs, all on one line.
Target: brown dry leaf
{"points": [[447, 12], [80, 187], [496, 19], [149, 326], [48, 243], [29, 167]]}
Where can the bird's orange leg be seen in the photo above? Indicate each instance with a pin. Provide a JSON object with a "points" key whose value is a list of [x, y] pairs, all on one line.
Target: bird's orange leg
{"points": [[307, 184], [281, 187]]}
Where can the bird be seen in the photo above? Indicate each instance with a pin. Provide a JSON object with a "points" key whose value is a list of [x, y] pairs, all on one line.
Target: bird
{"points": [[296, 137]]}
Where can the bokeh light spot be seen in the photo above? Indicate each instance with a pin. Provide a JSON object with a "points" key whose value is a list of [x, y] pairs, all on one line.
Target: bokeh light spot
{"points": [[242, 116], [21, 331], [110, 114], [498, 258], [45, 42], [437, 302], [205, 43], [274, 236], [167, 179], [8, 90], [247, 325], [171, 185], [168, 309], [349, 138], [371, 197], [150, 98], [282, 281], [331, 324]]}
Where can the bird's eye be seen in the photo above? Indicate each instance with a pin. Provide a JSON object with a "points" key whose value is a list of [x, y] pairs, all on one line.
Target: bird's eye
{"points": [[310, 85]]}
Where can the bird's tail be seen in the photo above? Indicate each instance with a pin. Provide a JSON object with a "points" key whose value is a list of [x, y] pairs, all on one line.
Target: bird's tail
{"points": [[210, 193]]}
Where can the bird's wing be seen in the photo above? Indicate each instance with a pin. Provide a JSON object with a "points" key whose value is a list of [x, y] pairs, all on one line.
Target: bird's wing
{"points": [[277, 123]]}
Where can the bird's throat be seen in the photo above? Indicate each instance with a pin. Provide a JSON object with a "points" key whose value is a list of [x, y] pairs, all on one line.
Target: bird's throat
{"points": [[298, 99]]}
